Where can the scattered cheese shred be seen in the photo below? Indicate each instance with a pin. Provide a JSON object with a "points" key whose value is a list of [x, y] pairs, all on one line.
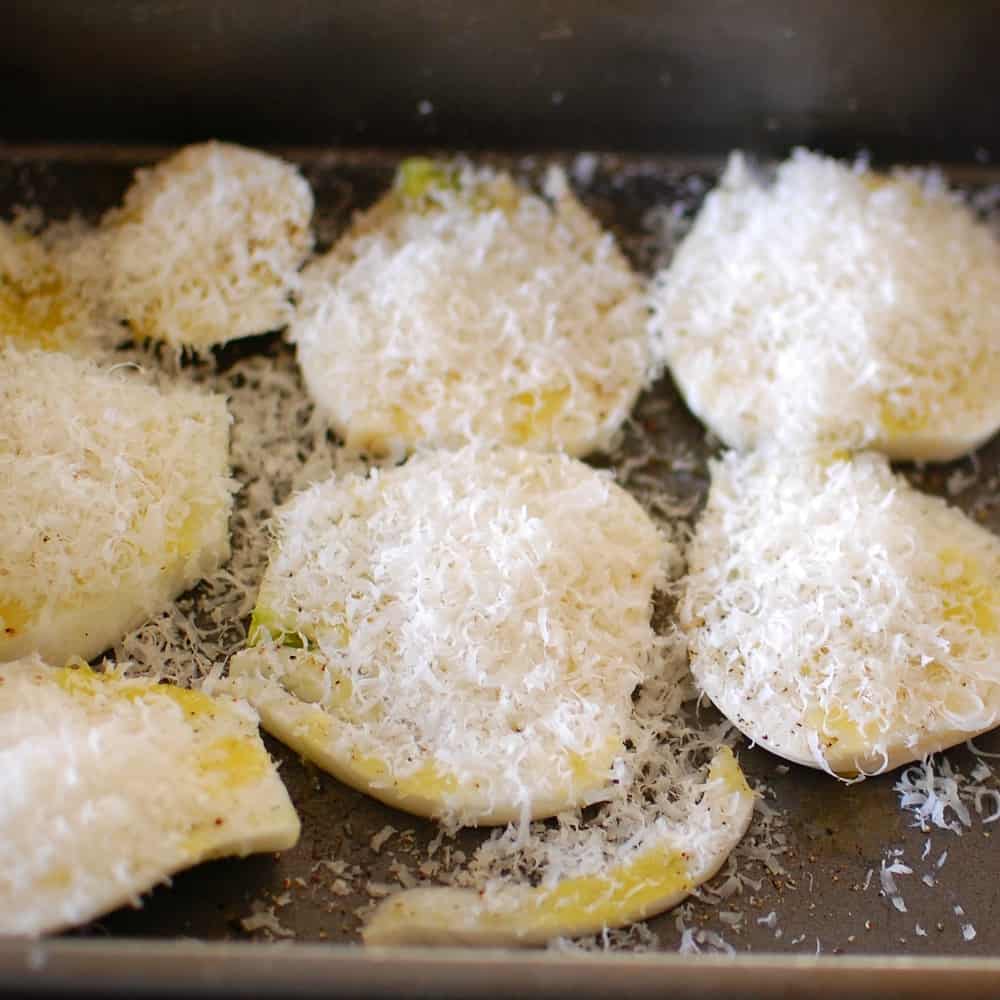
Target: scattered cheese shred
{"points": [[938, 795]]}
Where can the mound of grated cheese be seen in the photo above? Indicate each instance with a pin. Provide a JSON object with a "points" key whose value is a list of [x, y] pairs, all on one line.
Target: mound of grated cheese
{"points": [[114, 498], [459, 636], [110, 785], [207, 245], [839, 617], [839, 305], [463, 308]]}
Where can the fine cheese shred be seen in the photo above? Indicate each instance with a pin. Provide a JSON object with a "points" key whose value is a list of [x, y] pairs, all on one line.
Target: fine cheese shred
{"points": [[280, 445]]}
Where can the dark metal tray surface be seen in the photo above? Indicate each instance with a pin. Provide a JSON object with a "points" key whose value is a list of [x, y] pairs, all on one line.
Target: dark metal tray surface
{"points": [[828, 900]]}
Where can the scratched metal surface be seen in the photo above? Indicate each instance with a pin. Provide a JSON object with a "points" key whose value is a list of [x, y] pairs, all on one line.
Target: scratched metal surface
{"points": [[838, 836]]}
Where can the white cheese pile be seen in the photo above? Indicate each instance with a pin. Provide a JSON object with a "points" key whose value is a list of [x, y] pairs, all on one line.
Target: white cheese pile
{"points": [[114, 498], [464, 308], [836, 304], [111, 785], [207, 245], [459, 636], [839, 617]]}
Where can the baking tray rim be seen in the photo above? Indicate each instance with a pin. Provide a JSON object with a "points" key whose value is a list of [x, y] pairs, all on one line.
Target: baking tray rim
{"points": [[190, 967]]}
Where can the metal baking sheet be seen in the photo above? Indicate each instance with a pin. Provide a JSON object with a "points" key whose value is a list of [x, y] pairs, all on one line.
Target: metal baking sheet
{"points": [[828, 902]]}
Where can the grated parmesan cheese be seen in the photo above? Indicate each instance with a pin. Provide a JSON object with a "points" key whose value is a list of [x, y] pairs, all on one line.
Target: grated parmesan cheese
{"points": [[837, 616], [114, 498], [207, 245], [462, 308], [140, 780], [806, 309], [378, 841], [459, 636], [263, 917]]}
